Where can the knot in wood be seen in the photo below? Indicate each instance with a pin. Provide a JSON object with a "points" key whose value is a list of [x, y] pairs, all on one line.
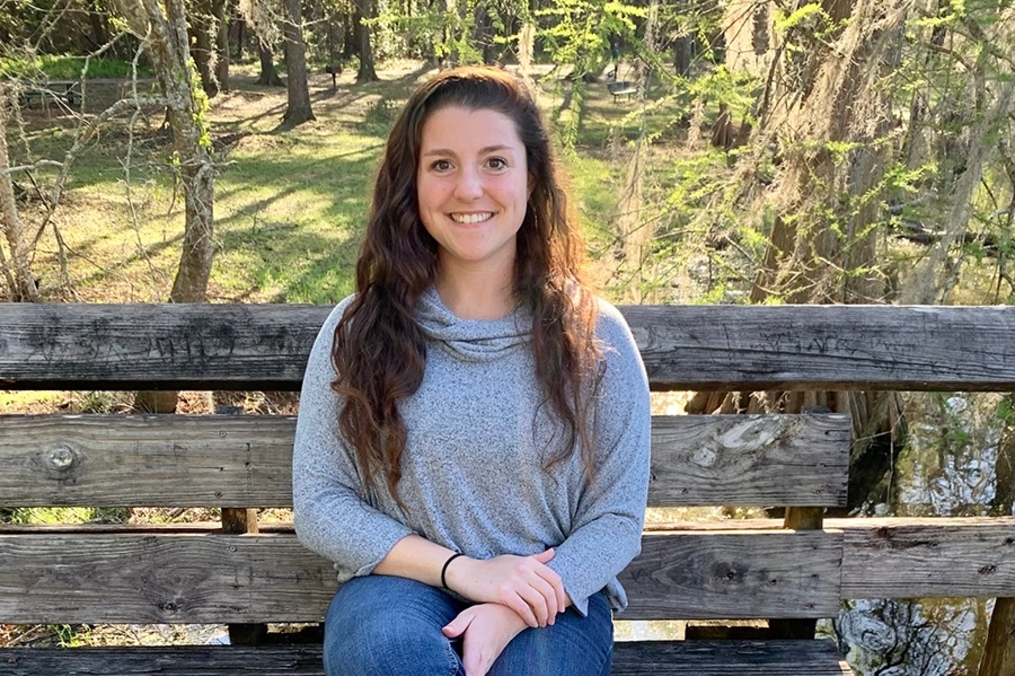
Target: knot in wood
{"points": [[751, 435], [60, 458], [705, 456]]}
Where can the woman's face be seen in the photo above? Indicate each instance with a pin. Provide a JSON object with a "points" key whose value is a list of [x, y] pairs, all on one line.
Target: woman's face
{"points": [[472, 187]]}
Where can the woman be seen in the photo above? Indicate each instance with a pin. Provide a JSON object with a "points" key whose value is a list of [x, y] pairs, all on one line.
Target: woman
{"points": [[472, 448]]}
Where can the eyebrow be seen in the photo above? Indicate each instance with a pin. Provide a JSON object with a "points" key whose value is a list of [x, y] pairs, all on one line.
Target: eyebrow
{"points": [[482, 151]]}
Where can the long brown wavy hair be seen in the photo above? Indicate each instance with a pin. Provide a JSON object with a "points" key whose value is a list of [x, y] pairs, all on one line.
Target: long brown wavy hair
{"points": [[379, 352]]}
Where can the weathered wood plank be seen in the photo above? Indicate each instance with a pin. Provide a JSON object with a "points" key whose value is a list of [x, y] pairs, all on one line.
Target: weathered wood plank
{"points": [[168, 661], [800, 519], [728, 658], [173, 578], [69, 346], [734, 574], [149, 461], [932, 557], [894, 557], [185, 574], [636, 658], [176, 577], [750, 460], [806, 347], [174, 346], [226, 461]]}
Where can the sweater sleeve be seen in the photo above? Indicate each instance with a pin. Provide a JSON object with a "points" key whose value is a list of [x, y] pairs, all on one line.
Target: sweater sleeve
{"points": [[607, 528], [329, 515]]}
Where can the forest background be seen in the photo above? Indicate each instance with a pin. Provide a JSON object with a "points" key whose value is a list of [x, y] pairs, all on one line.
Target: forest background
{"points": [[783, 151]]}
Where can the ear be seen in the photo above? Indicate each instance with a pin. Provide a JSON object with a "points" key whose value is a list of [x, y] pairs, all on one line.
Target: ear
{"points": [[532, 184]]}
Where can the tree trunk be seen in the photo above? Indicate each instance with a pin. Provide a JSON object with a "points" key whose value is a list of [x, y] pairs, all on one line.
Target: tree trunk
{"points": [[822, 244], [821, 247], [482, 33], [935, 276], [811, 259], [200, 28], [682, 55], [97, 21], [269, 76], [17, 273], [367, 72], [241, 35], [838, 10], [221, 15], [334, 58], [169, 52], [1004, 466], [351, 29], [298, 109], [740, 23], [999, 653], [194, 271]]}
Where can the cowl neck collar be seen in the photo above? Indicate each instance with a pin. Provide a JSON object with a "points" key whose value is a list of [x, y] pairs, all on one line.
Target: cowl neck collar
{"points": [[472, 339]]}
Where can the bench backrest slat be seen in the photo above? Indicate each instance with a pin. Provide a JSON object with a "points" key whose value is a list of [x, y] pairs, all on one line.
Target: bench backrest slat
{"points": [[928, 557], [245, 461], [227, 347], [685, 347], [89, 576], [177, 576]]}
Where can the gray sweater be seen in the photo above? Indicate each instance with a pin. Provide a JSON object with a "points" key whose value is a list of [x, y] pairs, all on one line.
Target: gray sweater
{"points": [[473, 471]]}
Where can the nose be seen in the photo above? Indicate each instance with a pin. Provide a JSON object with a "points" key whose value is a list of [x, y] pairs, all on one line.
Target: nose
{"points": [[469, 185]]}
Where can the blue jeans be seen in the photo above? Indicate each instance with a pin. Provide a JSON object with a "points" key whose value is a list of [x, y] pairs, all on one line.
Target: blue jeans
{"points": [[390, 626]]}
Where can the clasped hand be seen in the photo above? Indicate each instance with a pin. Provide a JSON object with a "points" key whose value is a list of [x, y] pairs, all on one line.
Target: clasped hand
{"points": [[486, 629], [525, 584]]}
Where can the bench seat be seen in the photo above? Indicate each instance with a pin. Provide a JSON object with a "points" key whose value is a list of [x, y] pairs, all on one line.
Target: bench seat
{"points": [[621, 88], [634, 658]]}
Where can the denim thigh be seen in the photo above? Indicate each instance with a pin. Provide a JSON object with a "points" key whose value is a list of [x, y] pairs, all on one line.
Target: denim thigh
{"points": [[380, 625], [572, 646]]}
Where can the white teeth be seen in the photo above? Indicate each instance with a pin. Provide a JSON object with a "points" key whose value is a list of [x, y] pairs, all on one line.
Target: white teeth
{"points": [[471, 218]]}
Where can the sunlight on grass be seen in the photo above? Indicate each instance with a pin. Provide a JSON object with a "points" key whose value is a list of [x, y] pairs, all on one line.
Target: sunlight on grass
{"points": [[597, 189], [51, 516], [286, 217], [290, 205], [27, 399], [66, 67]]}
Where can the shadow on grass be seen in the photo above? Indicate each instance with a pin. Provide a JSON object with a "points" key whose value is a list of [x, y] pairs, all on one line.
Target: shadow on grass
{"points": [[290, 205], [304, 258]]}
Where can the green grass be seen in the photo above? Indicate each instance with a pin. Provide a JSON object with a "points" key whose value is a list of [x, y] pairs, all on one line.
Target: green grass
{"points": [[596, 184], [19, 398], [294, 239], [54, 516], [290, 205], [65, 67]]}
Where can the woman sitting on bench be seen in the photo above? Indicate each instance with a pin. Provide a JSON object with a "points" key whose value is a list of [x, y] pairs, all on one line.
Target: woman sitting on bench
{"points": [[472, 448]]}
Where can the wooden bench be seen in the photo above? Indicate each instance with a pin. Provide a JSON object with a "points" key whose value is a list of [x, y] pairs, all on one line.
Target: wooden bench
{"points": [[242, 573], [621, 88]]}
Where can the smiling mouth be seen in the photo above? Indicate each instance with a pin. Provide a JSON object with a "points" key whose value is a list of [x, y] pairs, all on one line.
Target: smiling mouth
{"points": [[471, 218]]}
